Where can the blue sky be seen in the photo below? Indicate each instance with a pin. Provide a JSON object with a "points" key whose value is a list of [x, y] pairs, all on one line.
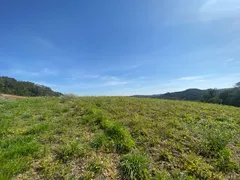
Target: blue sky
{"points": [[121, 47]]}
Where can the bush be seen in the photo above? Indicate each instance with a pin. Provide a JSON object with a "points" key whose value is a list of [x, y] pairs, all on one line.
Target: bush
{"points": [[224, 162], [214, 141], [135, 166]]}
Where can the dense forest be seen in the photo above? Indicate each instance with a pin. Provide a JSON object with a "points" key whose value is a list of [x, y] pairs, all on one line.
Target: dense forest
{"points": [[22, 88], [188, 95], [230, 96]]}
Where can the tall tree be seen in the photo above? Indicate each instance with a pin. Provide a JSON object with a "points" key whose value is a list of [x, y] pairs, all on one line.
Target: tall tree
{"points": [[237, 85]]}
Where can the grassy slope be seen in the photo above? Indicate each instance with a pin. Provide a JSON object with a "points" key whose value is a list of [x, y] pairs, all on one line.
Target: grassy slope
{"points": [[116, 138]]}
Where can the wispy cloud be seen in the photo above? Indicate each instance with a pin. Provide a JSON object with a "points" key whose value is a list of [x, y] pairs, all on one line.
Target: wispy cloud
{"points": [[87, 76], [110, 78], [46, 84], [23, 72], [99, 80], [202, 12], [91, 76], [230, 60], [31, 73], [135, 66], [190, 78], [219, 9], [45, 43], [77, 77], [81, 87], [48, 71], [70, 78], [115, 83]]}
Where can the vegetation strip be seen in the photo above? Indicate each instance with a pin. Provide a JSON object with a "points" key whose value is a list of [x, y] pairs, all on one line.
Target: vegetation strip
{"points": [[117, 138]]}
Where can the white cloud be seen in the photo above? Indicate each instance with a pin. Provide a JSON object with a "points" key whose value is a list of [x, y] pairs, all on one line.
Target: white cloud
{"points": [[29, 73], [45, 43], [115, 83], [112, 87], [48, 71], [73, 74], [230, 60], [91, 76], [135, 66], [199, 11], [219, 9], [86, 76], [45, 84], [190, 78], [70, 78], [23, 72], [112, 81], [110, 78]]}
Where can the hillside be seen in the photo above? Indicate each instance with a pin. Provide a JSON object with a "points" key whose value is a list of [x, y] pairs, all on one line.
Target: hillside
{"points": [[22, 88], [117, 138], [227, 96], [188, 95]]}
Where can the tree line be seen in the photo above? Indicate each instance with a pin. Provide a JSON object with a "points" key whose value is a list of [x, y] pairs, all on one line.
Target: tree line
{"points": [[22, 88], [229, 96]]}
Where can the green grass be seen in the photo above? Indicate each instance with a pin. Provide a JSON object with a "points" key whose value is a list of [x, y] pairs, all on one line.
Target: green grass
{"points": [[15, 155], [135, 166], [117, 138]]}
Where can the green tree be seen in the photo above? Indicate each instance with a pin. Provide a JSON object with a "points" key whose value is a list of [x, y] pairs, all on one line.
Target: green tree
{"points": [[22, 88], [1, 85], [231, 97], [211, 96], [237, 85]]}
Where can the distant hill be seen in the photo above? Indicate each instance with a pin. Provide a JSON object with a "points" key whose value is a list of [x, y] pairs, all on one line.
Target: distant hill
{"points": [[188, 95], [229, 96], [21, 88]]}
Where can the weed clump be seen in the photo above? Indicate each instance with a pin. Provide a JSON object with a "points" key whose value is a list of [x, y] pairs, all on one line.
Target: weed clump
{"points": [[96, 168], [196, 166], [224, 162], [99, 141], [215, 140], [113, 133], [121, 137], [93, 171], [134, 167], [69, 151], [40, 128], [162, 175], [51, 169]]}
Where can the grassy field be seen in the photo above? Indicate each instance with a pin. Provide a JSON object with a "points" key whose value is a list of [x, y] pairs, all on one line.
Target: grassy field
{"points": [[117, 138]]}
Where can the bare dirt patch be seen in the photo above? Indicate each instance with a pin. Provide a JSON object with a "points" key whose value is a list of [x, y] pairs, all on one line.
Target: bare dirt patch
{"points": [[11, 96]]}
